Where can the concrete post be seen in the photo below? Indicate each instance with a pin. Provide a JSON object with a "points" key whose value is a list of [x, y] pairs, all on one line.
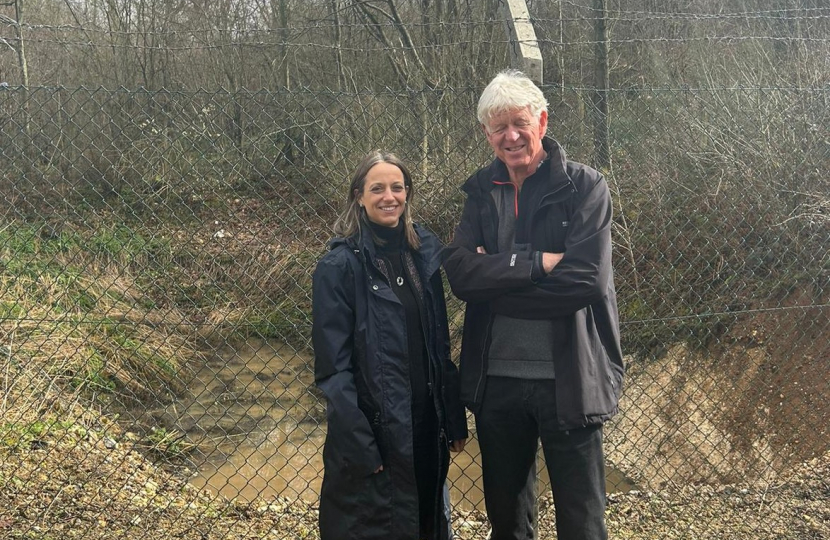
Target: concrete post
{"points": [[525, 54]]}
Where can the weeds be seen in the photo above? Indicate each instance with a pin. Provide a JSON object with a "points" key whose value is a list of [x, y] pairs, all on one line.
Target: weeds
{"points": [[26, 435], [168, 443], [78, 318]]}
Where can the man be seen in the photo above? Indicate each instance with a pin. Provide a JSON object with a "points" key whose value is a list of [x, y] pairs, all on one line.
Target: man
{"points": [[540, 353]]}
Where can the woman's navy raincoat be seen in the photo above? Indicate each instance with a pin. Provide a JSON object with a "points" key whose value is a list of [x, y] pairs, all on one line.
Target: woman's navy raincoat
{"points": [[361, 365]]}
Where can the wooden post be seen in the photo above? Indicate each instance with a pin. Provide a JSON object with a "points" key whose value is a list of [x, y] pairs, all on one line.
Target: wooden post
{"points": [[525, 54]]}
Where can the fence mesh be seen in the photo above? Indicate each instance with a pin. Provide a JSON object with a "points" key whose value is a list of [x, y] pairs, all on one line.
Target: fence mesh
{"points": [[156, 249]]}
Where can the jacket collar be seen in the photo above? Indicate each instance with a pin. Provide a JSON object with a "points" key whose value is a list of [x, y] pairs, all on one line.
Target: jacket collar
{"points": [[364, 248], [479, 184]]}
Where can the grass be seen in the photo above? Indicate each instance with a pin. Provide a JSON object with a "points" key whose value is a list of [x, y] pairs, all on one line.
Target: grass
{"points": [[24, 435], [87, 312], [68, 312], [169, 443]]}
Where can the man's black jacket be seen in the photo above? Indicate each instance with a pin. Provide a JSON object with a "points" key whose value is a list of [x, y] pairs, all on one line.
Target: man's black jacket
{"points": [[571, 214]]}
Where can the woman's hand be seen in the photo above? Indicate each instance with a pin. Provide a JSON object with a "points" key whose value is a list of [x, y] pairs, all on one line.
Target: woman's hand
{"points": [[379, 469], [457, 446]]}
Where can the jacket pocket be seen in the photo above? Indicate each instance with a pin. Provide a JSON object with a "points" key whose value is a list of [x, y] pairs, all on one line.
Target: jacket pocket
{"points": [[551, 235]]}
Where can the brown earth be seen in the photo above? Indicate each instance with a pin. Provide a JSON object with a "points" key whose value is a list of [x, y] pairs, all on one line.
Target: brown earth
{"points": [[747, 409], [74, 484], [728, 443]]}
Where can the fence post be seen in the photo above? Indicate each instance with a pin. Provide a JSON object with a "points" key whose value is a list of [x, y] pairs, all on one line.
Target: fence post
{"points": [[525, 54]]}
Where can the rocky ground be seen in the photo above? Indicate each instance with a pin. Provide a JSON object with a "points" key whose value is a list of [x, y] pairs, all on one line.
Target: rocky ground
{"points": [[78, 484]]}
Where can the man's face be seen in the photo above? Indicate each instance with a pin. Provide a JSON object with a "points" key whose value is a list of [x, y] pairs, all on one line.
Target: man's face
{"points": [[516, 137]]}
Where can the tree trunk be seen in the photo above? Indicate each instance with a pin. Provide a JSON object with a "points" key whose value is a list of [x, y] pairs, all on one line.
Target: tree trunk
{"points": [[338, 53], [601, 83], [24, 70], [286, 73]]}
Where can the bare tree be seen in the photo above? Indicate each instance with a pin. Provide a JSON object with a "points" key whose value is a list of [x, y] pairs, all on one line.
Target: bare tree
{"points": [[338, 43], [277, 14], [599, 95], [20, 49]]}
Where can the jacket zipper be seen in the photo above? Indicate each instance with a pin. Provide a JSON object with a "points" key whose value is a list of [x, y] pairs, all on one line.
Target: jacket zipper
{"points": [[477, 395], [552, 194], [439, 488]]}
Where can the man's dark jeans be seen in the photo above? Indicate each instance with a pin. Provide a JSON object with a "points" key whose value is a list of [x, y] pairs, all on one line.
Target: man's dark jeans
{"points": [[514, 415]]}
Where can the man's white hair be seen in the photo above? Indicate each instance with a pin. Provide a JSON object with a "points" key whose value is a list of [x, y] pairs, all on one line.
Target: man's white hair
{"points": [[510, 90]]}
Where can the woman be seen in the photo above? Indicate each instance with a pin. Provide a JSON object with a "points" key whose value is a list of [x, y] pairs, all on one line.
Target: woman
{"points": [[382, 359]]}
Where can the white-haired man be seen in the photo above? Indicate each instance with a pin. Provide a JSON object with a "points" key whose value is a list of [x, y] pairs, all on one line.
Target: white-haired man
{"points": [[540, 355]]}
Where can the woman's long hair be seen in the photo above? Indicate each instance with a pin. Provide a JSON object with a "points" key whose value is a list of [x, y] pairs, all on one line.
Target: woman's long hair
{"points": [[353, 218]]}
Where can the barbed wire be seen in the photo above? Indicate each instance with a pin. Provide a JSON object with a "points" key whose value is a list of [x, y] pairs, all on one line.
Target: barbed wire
{"points": [[325, 25], [385, 48], [255, 30], [410, 91], [772, 13], [703, 316], [646, 16]]}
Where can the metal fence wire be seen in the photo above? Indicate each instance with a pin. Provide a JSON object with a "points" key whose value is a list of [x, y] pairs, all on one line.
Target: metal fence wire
{"points": [[156, 252]]}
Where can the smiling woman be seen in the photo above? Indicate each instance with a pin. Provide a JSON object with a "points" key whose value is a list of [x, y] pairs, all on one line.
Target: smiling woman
{"points": [[378, 176], [382, 360], [384, 194]]}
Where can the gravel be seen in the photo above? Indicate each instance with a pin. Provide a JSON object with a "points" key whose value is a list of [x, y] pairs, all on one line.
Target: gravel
{"points": [[73, 484]]}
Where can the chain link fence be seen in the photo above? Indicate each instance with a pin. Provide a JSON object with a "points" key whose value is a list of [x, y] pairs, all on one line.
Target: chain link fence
{"points": [[156, 251]]}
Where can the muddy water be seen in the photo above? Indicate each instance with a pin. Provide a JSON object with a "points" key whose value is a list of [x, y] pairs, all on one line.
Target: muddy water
{"points": [[258, 423], [260, 427]]}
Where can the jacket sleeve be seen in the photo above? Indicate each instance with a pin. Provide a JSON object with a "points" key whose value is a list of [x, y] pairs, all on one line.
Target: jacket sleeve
{"points": [[476, 277], [455, 413], [353, 445], [584, 274]]}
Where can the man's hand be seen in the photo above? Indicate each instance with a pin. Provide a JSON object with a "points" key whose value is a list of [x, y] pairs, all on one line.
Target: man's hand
{"points": [[550, 260], [457, 446]]}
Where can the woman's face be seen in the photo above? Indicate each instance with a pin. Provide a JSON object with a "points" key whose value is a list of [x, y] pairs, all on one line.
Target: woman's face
{"points": [[384, 194]]}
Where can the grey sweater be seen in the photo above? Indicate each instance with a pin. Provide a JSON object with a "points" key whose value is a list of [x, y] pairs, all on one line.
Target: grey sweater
{"points": [[519, 348]]}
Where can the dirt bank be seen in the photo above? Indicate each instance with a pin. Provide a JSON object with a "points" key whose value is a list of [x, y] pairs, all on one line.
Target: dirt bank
{"points": [[746, 409]]}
